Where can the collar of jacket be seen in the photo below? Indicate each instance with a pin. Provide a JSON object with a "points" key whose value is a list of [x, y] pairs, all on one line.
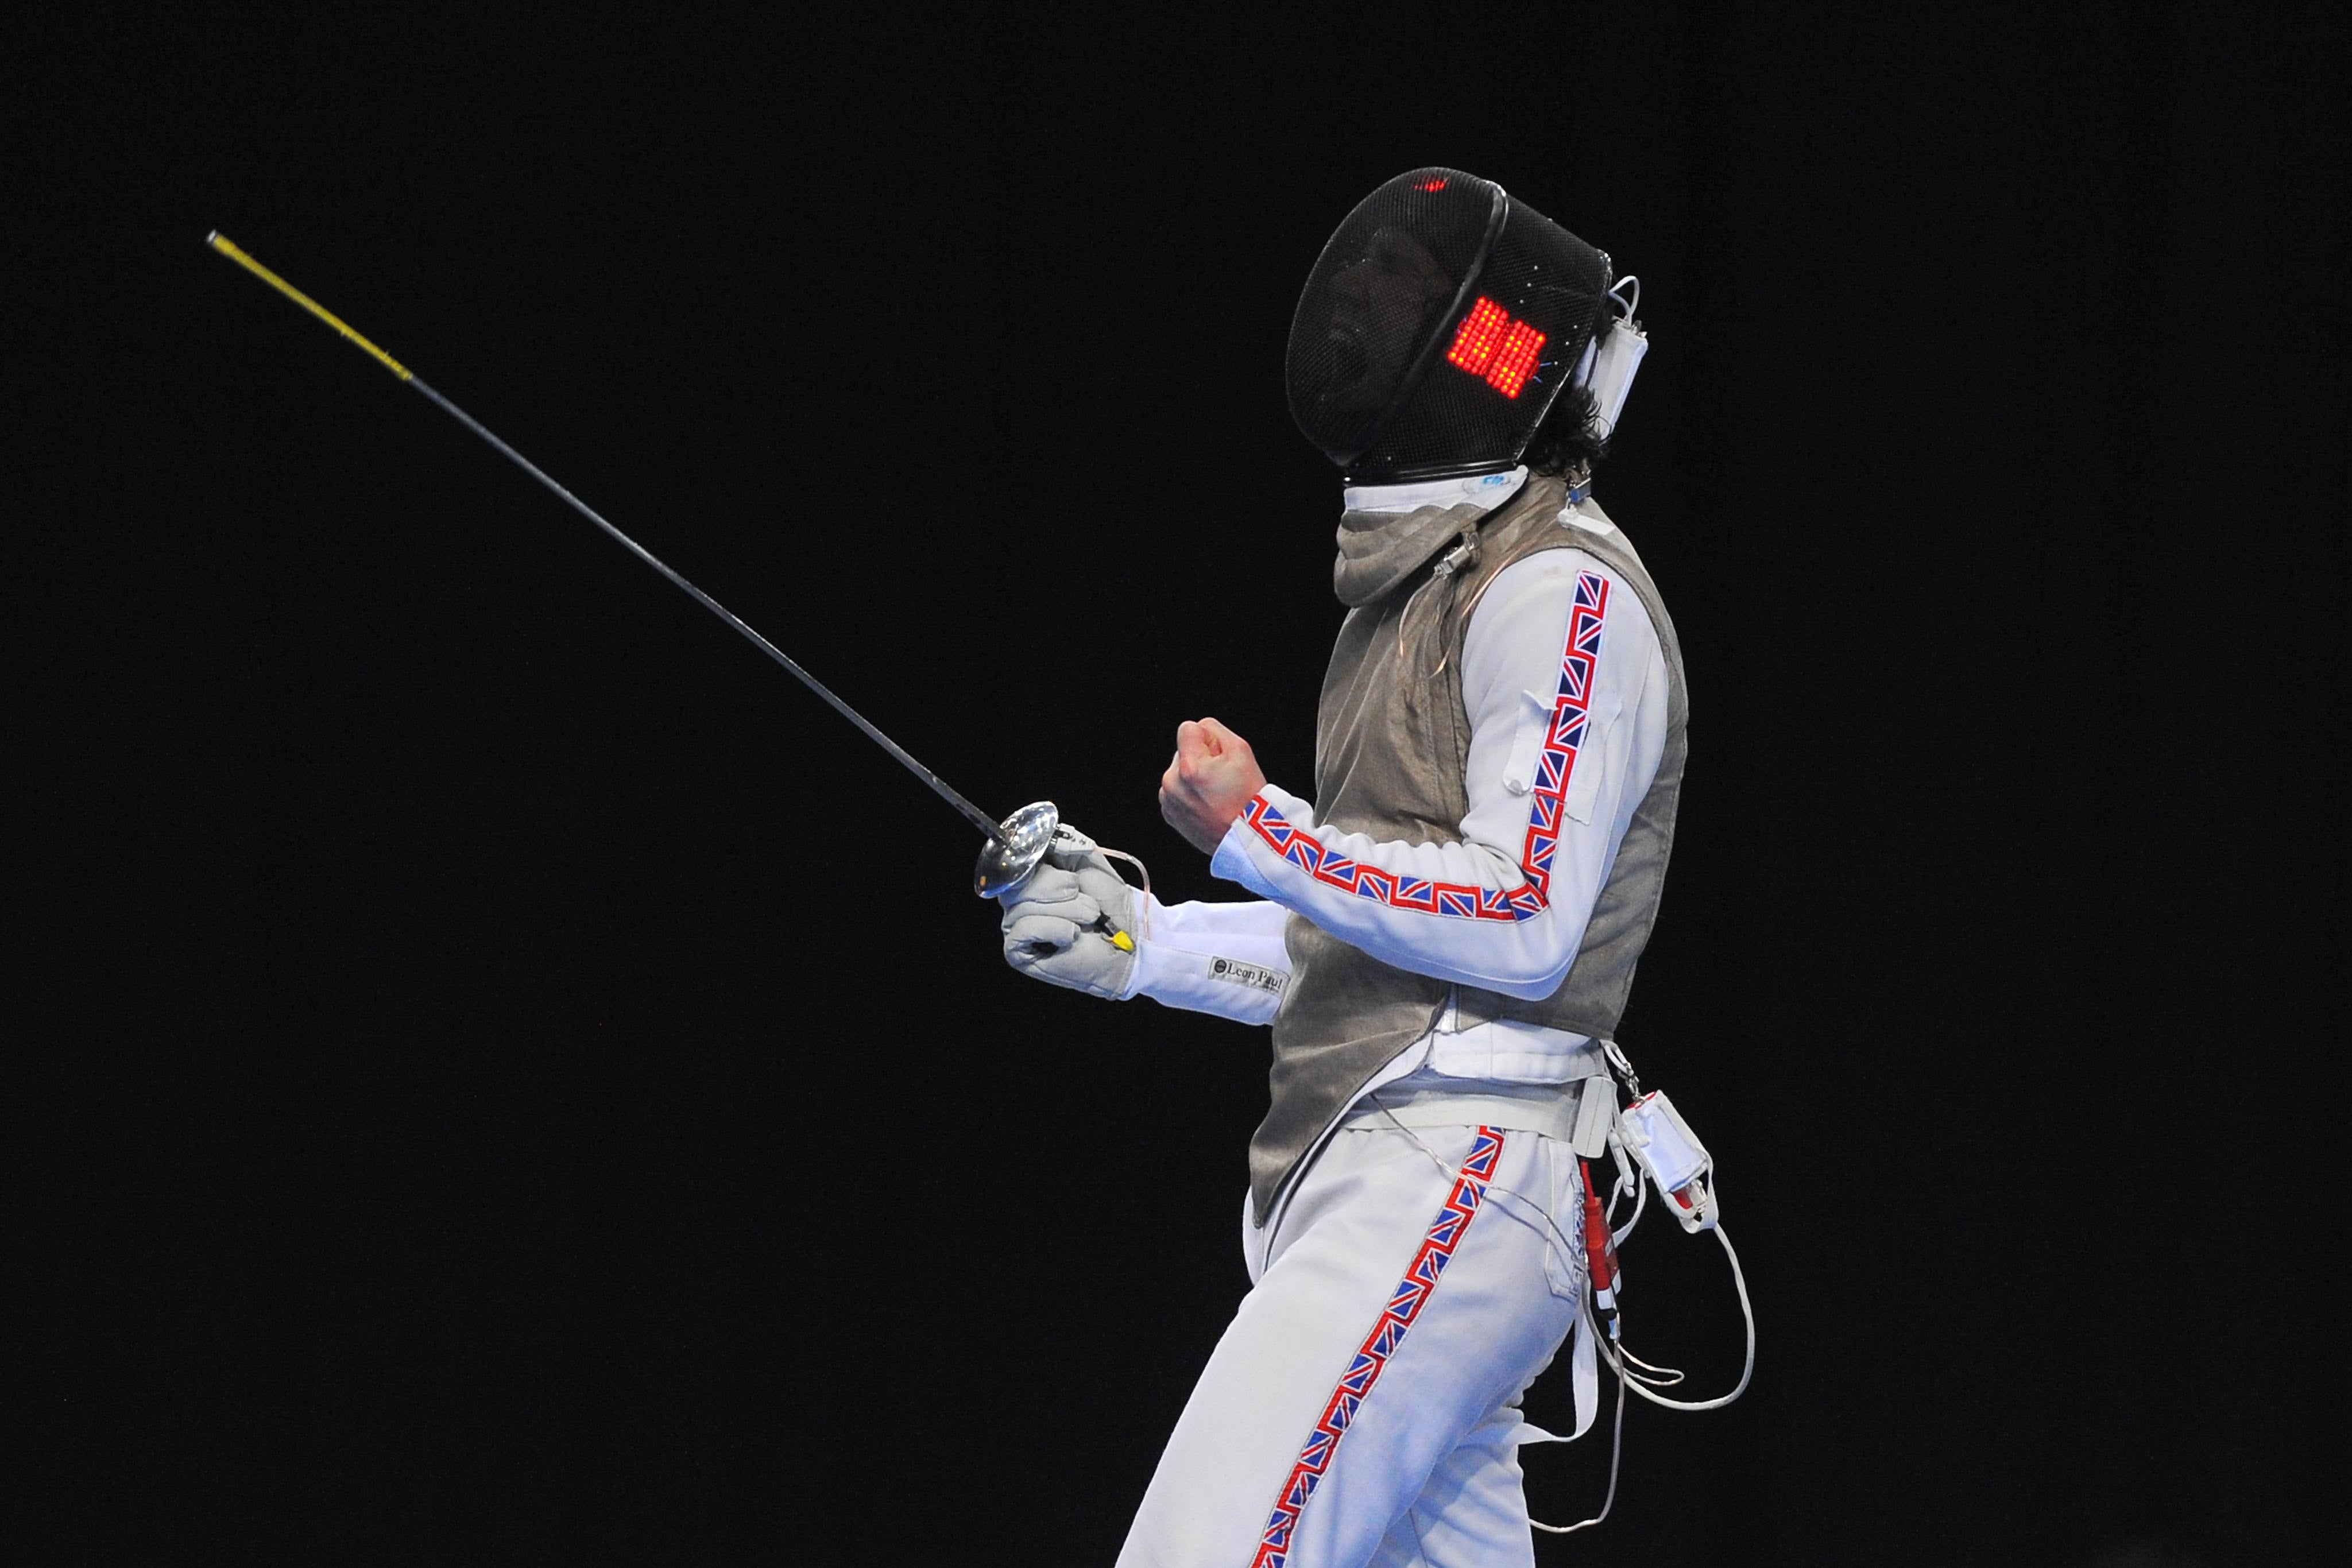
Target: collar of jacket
{"points": [[1388, 530]]}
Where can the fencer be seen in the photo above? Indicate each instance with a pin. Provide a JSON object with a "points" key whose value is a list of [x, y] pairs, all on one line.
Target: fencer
{"points": [[1443, 934]]}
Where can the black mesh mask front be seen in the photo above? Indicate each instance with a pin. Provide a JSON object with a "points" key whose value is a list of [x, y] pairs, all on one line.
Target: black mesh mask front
{"points": [[1437, 327]]}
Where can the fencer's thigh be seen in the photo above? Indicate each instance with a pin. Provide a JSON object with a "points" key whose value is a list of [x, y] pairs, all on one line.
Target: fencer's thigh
{"points": [[1473, 1509], [1402, 1312]]}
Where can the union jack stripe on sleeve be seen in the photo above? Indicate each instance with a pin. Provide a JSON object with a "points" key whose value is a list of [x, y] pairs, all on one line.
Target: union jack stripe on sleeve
{"points": [[1555, 765]]}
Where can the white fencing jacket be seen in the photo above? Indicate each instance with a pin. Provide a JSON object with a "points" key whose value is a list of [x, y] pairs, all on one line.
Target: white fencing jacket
{"points": [[1228, 958]]}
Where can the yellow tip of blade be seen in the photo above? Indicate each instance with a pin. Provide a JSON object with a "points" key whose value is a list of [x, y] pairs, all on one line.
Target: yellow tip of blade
{"points": [[228, 248]]}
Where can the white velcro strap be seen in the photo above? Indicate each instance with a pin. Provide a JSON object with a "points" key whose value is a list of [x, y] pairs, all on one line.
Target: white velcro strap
{"points": [[1549, 1110], [1585, 1375]]}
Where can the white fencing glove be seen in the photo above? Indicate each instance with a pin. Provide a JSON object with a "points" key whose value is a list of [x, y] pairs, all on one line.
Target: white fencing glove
{"points": [[1063, 921]]}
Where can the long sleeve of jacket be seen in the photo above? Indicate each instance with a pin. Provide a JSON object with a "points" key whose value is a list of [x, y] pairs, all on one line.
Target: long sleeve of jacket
{"points": [[1221, 958], [1558, 762]]}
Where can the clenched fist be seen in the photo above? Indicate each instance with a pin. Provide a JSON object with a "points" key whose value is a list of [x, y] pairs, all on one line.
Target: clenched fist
{"points": [[1210, 779]]}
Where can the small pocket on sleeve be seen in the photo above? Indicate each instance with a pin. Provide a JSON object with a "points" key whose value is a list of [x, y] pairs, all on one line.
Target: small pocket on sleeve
{"points": [[1584, 779], [1526, 743]]}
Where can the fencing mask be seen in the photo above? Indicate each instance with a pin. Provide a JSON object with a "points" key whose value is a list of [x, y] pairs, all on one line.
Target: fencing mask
{"points": [[1438, 325]]}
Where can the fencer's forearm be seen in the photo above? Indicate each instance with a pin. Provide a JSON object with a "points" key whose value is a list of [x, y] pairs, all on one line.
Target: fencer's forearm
{"points": [[1249, 929], [1221, 958], [1208, 983], [1454, 911]]}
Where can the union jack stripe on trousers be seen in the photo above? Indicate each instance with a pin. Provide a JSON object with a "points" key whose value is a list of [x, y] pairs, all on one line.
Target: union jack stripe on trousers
{"points": [[1411, 1295], [1555, 765]]}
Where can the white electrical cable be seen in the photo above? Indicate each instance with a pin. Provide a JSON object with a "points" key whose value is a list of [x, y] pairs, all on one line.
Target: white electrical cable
{"points": [[1667, 1376], [1143, 906], [1616, 1452], [1746, 1368], [1640, 1202]]}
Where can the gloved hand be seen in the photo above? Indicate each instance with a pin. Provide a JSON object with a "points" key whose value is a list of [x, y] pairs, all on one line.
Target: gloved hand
{"points": [[1055, 925]]}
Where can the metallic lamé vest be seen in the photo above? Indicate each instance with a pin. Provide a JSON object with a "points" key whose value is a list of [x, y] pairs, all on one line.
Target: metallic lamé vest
{"points": [[1392, 740]]}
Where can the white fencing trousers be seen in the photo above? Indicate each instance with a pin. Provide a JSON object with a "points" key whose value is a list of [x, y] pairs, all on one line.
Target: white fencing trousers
{"points": [[1362, 1405]]}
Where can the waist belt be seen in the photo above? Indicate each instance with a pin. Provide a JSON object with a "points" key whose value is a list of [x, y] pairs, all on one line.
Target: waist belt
{"points": [[1551, 1110]]}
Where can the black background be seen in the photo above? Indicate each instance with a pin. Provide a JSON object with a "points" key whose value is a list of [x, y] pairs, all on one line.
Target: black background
{"points": [[515, 1076]]}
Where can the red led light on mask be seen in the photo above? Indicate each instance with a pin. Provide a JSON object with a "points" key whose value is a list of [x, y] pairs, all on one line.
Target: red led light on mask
{"points": [[1431, 185], [1474, 342], [1515, 362], [1491, 345]]}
